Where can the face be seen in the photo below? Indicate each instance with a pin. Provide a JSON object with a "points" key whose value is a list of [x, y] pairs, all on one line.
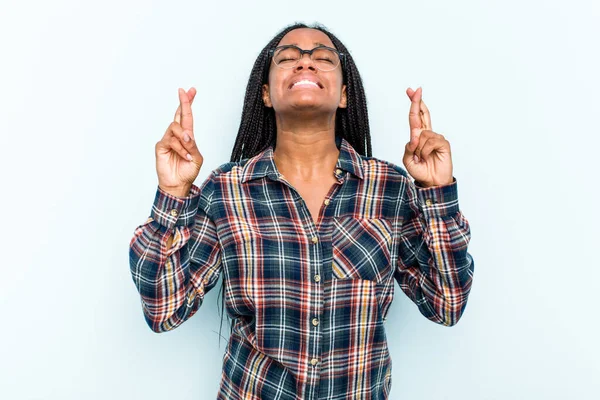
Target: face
{"points": [[285, 97]]}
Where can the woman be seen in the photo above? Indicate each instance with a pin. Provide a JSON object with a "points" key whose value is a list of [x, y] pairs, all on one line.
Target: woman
{"points": [[308, 230]]}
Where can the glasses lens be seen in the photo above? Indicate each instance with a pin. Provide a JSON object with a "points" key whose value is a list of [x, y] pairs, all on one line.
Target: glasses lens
{"points": [[325, 59], [287, 57]]}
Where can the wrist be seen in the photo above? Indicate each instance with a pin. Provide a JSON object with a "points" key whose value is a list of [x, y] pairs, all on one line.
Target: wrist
{"points": [[179, 191], [434, 184]]}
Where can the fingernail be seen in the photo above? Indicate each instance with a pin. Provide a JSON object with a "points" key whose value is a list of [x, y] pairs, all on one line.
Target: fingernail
{"points": [[189, 157], [186, 137], [416, 158]]}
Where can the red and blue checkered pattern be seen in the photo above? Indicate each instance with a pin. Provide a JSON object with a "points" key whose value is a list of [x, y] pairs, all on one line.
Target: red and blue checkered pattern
{"points": [[309, 301]]}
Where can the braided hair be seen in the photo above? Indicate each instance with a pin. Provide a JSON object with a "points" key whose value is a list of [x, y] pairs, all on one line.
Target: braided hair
{"points": [[258, 129]]}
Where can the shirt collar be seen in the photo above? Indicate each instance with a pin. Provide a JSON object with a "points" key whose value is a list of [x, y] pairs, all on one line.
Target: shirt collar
{"points": [[263, 164]]}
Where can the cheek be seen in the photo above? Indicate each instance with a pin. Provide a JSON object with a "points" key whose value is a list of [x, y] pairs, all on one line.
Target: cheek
{"points": [[273, 82], [337, 88], [338, 82], [277, 91]]}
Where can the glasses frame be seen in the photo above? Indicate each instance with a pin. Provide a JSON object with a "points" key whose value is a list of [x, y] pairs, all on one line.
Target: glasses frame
{"points": [[341, 56]]}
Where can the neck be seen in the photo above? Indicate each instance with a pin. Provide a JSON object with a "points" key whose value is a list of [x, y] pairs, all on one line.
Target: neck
{"points": [[306, 151]]}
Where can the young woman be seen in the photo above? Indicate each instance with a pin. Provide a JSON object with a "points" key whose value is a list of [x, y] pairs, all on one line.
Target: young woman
{"points": [[307, 228]]}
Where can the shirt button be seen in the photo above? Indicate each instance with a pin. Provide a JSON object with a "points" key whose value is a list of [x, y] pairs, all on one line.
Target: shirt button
{"points": [[317, 277], [428, 202], [314, 361], [315, 239], [315, 321], [326, 202], [338, 171], [174, 212]]}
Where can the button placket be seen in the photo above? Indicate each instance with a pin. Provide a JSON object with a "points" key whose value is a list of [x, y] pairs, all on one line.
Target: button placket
{"points": [[317, 296], [315, 239]]}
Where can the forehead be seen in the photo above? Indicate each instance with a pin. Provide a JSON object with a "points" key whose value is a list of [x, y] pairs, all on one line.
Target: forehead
{"points": [[306, 38]]}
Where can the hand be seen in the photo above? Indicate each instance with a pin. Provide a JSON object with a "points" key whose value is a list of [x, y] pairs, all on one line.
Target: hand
{"points": [[427, 155], [176, 172]]}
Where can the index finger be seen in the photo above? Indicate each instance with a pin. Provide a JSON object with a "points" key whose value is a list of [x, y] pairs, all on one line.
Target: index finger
{"points": [[187, 120], [425, 116], [190, 94], [414, 115]]}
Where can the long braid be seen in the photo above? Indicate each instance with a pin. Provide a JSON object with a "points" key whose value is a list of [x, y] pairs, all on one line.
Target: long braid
{"points": [[355, 118], [258, 128]]}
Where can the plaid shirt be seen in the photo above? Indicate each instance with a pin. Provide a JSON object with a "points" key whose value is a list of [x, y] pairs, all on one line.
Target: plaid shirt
{"points": [[308, 301]]}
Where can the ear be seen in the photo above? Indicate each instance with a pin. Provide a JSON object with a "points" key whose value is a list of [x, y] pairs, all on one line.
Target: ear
{"points": [[343, 98], [265, 96]]}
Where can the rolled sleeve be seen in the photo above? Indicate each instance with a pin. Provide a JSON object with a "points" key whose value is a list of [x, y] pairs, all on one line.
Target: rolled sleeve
{"points": [[170, 211]]}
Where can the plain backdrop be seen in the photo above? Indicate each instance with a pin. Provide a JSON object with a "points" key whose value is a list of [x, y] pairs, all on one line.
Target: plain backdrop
{"points": [[88, 88]]}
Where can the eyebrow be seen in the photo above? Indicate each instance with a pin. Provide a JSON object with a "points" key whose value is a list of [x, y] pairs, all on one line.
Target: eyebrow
{"points": [[315, 43]]}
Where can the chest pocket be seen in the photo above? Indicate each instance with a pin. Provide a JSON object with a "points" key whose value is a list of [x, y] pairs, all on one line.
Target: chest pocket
{"points": [[361, 248]]}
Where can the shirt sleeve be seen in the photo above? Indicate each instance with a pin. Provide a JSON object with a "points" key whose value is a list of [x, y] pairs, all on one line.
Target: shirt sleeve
{"points": [[434, 268], [172, 281]]}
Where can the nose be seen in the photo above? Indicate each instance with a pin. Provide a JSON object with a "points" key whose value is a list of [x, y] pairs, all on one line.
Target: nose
{"points": [[305, 62]]}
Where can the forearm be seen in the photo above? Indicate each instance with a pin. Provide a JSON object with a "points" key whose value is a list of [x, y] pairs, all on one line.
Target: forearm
{"points": [[435, 269], [157, 271], [439, 276], [170, 284]]}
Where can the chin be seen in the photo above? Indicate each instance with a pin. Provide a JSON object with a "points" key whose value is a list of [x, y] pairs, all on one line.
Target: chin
{"points": [[307, 105], [308, 102], [309, 110]]}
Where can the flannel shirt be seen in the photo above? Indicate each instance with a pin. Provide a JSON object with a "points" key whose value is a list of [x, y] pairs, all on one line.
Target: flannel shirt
{"points": [[308, 301]]}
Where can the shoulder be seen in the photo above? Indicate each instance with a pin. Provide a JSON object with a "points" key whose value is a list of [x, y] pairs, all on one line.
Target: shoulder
{"points": [[219, 177], [376, 167], [229, 169]]}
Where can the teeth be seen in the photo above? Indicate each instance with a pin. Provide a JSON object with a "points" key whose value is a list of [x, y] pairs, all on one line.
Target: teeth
{"points": [[305, 82]]}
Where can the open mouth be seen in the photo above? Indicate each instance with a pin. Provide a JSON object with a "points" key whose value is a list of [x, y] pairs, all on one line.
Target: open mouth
{"points": [[306, 83]]}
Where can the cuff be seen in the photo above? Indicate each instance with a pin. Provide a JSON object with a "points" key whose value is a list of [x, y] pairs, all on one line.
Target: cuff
{"points": [[438, 201], [170, 211]]}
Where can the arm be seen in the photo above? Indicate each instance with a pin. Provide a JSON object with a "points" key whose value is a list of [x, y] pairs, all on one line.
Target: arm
{"points": [[175, 257], [434, 268]]}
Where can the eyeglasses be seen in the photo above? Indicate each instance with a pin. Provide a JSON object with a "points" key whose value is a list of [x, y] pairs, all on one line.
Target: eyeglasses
{"points": [[325, 58]]}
